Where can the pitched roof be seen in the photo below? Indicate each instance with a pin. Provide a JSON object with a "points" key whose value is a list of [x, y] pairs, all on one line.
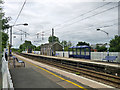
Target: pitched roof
{"points": [[51, 44]]}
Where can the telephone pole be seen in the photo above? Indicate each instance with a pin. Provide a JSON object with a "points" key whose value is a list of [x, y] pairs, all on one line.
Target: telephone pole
{"points": [[25, 24], [42, 34], [52, 34], [52, 39]]}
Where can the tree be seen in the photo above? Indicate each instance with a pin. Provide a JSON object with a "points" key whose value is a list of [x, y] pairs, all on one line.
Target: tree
{"points": [[55, 39], [69, 43], [4, 39], [38, 48], [115, 44], [26, 45], [64, 43], [82, 43], [3, 26], [102, 49]]}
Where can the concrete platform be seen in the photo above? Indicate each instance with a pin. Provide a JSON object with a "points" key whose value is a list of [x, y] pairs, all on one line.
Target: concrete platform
{"points": [[33, 76], [75, 79], [29, 78], [106, 67], [116, 65]]}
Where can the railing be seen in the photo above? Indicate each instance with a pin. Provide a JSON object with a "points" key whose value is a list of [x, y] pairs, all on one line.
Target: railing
{"points": [[94, 55], [6, 77]]}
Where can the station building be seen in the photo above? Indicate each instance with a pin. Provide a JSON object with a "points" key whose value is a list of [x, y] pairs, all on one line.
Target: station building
{"points": [[51, 48]]}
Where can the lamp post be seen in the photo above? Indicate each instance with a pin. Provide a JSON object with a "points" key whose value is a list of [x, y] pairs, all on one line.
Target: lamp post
{"points": [[108, 38], [10, 45], [63, 49]]}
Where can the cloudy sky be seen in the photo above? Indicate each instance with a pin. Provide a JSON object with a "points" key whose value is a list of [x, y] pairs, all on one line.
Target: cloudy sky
{"points": [[72, 20]]}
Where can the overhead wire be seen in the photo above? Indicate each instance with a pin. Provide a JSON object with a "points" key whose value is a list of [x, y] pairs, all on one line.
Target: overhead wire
{"points": [[82, 14], [107, 26], [95, 25], [20, 12], [21, 30], [89, 17], [79, 16]]}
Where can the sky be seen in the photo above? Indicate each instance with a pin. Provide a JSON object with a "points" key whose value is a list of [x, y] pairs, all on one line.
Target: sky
{"points": [[72, 20]]}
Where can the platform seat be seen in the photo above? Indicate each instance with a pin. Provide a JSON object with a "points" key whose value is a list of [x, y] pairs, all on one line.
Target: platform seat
{"points": [[110, 58], [19, 61]]}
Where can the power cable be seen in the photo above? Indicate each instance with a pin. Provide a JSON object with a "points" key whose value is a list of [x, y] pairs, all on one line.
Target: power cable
{"points": [[107, 26], [83, 14], [21, 30], [20, 12], [97, 24], [89, 17]]}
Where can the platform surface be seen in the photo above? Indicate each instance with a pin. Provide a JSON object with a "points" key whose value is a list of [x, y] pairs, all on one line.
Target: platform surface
{"points": [[116, 65], [40, 75], [33, 76]]}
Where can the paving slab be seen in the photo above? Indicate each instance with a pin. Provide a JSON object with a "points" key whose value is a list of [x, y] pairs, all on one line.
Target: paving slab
{"points": [[29, 78], [84, 81]]}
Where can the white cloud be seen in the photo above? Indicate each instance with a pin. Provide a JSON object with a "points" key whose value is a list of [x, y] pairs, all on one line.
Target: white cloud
{"points": [[44, 15]]}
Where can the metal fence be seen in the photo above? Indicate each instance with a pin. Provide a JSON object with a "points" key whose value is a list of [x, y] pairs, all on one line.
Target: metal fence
{"points": [[6, 77], [35, 52], [94, 55]]}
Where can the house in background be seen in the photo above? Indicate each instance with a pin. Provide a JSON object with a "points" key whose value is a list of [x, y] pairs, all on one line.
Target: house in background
{"points": [[94, 46], [51, 48]]}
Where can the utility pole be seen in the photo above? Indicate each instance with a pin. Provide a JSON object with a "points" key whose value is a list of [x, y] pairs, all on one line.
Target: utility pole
{"points": [[0, 51], [52, 39], [52, 34], [42, 34], [10, 45], [21, 35], [37, 35], [25, 24], [118, 29], [63, 48], [11, 35], [108, 39]]}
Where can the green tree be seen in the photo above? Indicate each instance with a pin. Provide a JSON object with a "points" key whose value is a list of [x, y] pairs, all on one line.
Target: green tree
{"points": [[69, 43], [3, 26], [38, 48], [55, 39], [82, 43], [115, 44], [102, 49], [26, 45], [4, 39], [64, 43]]}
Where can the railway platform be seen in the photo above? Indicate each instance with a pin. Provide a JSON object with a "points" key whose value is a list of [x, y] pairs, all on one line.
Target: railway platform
{"points": [[79, 60], [35, 76], [107, 67], [39, 75]]}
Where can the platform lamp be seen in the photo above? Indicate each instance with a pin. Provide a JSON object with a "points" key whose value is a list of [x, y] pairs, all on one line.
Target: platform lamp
{"points": [[108, 38], [10, 45]]}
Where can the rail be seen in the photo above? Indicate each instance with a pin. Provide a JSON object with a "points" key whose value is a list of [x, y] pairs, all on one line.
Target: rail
{"points": [[79, 70]]}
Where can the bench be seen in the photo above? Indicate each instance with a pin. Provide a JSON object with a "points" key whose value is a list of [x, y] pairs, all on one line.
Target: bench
{"points": [[19, 61], [110, 58]]}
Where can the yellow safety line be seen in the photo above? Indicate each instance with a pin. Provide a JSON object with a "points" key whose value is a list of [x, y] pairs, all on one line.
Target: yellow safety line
{"points": [[57, 76]]}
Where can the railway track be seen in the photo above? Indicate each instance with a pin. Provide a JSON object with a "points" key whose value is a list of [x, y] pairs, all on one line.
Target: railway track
{"points": [[98, 76]]}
